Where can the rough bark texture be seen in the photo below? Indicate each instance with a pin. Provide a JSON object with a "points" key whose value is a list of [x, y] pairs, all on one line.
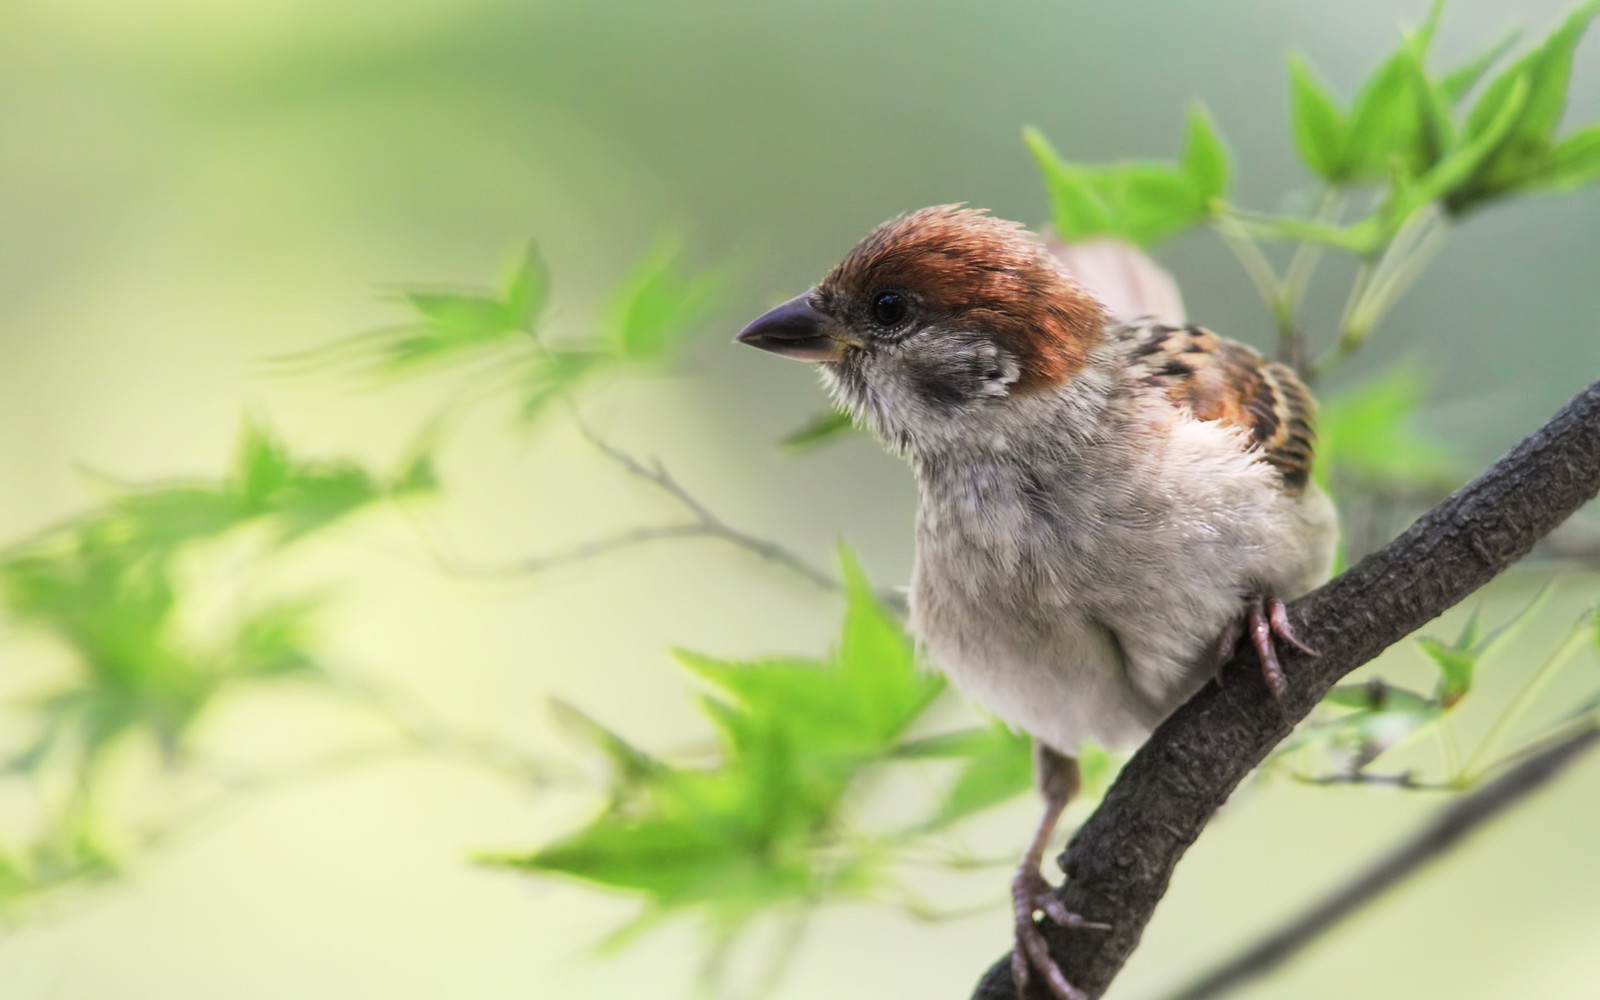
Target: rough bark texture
{"points": [[1119, 862]]}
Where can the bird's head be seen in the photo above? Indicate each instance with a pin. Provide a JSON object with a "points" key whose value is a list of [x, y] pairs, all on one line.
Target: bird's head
{"points": [[934, 322]]}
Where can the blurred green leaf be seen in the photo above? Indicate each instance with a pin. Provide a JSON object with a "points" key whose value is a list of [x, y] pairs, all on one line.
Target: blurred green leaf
{"points": [[1457, 83], [1573, 163], [631, 764], [825, 426], [1317, 122], [548, 375], [1456, 664], [997, 765], [1390, 123], [526, 289], [1381, 717], [274, 641], [1142, 202], [1078, 211], [759, 826], [661, 304], [1369, 434], [1545, 73], [1205, 158]]}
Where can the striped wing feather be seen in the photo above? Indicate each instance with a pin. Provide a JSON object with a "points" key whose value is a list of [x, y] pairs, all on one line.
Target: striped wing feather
{"points": [[1220, 379]]}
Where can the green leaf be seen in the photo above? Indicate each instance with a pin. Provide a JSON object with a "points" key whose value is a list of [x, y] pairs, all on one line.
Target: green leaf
{"points": [[1546, 71], [759, 826], [321, 495], [275, 641], [1382, 716], [998, 768], [1078, 211], [1457, 83], [1447, 180], [825, 426], [261, 464], [526, 289], [1369, 433], [1388, 125], [1456, 665], [660, 305], [631, 764], [547, 376], [878, 659], [1435, 126], [1573, 163], [1317, 121], [1205, 158], [1141, 202]]}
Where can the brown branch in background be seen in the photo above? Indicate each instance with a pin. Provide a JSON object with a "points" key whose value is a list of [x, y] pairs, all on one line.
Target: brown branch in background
{"points": [[1448, 829], [1119, 862]]}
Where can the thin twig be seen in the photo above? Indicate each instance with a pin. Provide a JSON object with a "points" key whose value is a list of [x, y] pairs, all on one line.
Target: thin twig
{"points": [[657, 475], [703, 524], [425, 732], [1405, 780], [1452, 825]]}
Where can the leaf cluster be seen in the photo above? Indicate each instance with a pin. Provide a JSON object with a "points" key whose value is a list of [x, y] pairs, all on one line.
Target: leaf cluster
{"points": [[1413, 134], [770, 821], [1375, 717], [107, 589], [498, 333]]}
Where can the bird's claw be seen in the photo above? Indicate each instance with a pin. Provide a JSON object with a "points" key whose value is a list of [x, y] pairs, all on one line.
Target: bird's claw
{"points": [[1032, 895], [1266, 621]]}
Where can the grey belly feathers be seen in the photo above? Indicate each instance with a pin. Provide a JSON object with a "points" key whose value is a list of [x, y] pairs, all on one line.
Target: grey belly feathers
{"points": [[1076, 585]]}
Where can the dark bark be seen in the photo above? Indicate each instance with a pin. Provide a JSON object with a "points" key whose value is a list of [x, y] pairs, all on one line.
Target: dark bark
{"points": [[1119, 862]]}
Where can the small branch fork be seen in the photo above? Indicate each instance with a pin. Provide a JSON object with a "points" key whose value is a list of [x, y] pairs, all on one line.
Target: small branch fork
{"points": [[1119, 862], [703, 523]]}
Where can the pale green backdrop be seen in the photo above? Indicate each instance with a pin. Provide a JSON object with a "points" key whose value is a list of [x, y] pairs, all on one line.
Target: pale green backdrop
{"points": [[188, 186]]}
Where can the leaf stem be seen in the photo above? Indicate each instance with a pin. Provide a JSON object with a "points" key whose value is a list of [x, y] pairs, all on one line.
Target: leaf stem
{"points": [[1255, 263], [1519, 705]]}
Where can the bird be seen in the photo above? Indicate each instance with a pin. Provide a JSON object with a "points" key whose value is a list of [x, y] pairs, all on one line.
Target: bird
{"points": [[1106, 505]]}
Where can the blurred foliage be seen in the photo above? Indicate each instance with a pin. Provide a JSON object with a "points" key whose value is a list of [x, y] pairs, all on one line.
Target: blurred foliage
{"points": [[1364, 721], [771, 821], [113, 591], [784, 814], [68, 852], [654, 311], [1138, 201], [1367, 437]]}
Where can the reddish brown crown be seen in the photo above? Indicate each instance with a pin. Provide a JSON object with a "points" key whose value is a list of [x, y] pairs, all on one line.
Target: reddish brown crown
{"points": [[985, 272]]}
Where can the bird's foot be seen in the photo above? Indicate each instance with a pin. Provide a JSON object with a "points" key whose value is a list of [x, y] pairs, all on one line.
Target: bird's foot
{"points": [[1031, 896], [1266, 621]]}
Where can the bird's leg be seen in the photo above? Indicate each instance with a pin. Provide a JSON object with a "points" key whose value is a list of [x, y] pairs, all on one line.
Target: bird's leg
{"points": [[1266, 621], [1032, 894]]}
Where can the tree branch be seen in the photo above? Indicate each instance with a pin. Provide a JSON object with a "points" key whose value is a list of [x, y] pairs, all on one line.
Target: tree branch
{"points": [[1452, 825], [1119, 862]]}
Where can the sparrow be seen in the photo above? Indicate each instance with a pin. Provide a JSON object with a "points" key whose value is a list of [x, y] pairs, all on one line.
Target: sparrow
{"points": [[1106, 505]]}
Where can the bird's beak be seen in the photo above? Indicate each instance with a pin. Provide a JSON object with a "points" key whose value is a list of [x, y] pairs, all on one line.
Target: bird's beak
{"points": [[795, 330]]}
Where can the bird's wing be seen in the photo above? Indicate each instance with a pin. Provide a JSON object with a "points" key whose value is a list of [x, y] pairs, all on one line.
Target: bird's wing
{"points": [[1219, 379]]}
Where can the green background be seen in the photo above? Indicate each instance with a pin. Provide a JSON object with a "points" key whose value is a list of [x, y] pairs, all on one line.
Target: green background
{"points": [[188, 187]]}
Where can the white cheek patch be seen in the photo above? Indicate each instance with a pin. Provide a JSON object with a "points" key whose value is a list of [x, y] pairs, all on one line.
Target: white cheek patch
{"points": [[1001, 369]]}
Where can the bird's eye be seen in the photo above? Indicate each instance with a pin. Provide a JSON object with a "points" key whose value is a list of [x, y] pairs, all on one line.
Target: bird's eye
{"points": [[889, 308]]}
